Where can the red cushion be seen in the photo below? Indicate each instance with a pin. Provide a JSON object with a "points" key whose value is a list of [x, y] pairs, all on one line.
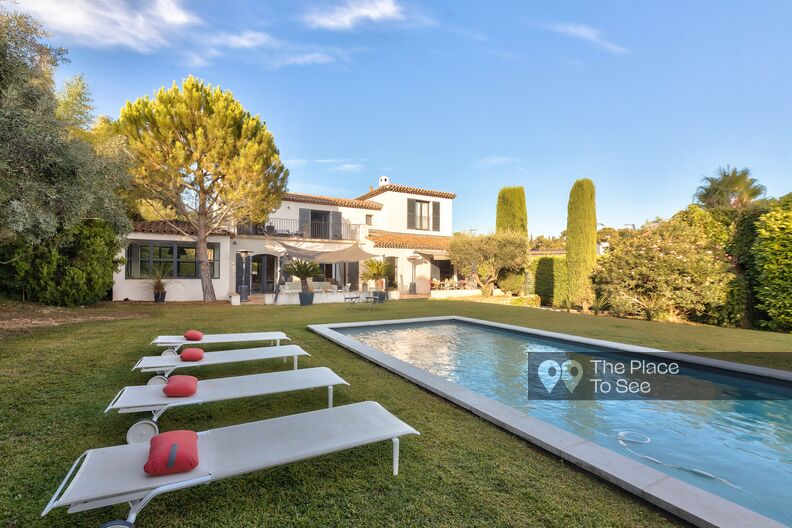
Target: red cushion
{"points": [[192, 354], [193, 335], [172, 452], [180, 386]]}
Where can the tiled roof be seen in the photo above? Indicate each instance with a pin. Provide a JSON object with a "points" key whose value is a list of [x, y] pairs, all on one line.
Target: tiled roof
{"points": [[169, 228], [389, 239], [407, 190], [329, 200]]}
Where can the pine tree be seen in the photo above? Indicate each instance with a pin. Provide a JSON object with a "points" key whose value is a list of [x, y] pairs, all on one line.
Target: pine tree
{"points": [[581, 242], [511, 213]]}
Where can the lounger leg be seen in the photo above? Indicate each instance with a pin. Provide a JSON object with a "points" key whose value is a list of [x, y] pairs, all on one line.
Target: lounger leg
{"points": [[330, 397], [295, 362], [395, 456]]}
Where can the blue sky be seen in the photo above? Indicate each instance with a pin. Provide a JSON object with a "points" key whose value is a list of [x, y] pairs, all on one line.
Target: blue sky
{"points": [[644, 99]]}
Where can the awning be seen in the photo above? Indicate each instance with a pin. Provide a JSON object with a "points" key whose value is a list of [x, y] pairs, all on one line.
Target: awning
{"points": [[351, 253]]}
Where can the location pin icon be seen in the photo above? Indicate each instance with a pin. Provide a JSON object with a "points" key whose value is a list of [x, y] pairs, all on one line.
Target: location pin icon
{"points": [[549, 374], [569, 378]]}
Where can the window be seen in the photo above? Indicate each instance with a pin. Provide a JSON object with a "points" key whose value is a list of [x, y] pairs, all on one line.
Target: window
{"points": [[369, 220], [177, 257], [418, 214]]}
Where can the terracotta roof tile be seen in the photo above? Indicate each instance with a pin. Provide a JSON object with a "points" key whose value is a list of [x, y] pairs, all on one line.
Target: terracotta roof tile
{"points": [[169, 228], [407, 190], [389, 239], [329, 200]]}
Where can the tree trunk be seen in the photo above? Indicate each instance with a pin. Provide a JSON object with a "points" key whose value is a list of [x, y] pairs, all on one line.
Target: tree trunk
{"points": [[202, 257], [304, 285]]}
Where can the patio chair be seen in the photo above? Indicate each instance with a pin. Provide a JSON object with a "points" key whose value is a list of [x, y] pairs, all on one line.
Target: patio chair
{"points": [[150, 398], [114, 475], [164, 366], [175, 342]]}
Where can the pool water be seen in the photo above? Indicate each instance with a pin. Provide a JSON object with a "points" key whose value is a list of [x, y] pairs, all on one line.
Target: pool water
{"points": [[739, 449]]}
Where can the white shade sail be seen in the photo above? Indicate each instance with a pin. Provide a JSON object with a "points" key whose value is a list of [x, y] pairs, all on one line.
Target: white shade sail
{"points": [[351, 253]]}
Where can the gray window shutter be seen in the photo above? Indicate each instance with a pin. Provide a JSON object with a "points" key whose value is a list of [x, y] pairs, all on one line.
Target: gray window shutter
{"points": [[410, 213], [305, 222], [353, 275], [435, 216], [335, 225]]}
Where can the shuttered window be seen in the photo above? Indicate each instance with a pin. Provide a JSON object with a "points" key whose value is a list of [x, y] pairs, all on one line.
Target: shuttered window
{"points": [[419, 214]]}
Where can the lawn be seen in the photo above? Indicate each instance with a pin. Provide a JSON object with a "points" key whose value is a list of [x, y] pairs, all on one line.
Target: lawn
{"points": [[462, 471]]}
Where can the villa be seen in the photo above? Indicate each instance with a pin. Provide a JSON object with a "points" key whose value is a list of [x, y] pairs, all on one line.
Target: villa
{"points": [[409, 227]]}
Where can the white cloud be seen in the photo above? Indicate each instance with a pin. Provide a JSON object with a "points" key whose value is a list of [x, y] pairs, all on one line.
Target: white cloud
{"points": [[348, 167], [590, 34], [141, 26], [353, 12], [247, 40], [496, 161], [293, 163], [301, 59], [330, 160]]}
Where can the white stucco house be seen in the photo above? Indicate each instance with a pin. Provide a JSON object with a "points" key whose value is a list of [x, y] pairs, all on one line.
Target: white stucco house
{"points": [[409, 226]]}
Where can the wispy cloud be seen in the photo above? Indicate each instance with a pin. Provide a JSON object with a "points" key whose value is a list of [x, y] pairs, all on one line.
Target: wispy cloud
{"points": [[300, 59], [496, 161], [589, 34], [294, 163], [348, 167], [246, 40], [353, 12], [141, 26]]}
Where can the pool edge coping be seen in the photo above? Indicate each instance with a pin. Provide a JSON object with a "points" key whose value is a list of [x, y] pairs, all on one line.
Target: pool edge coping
{"points": [[684, 500]]}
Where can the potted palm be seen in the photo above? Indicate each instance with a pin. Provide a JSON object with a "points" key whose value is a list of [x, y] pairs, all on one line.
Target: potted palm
{"points": [[303, 270], [378, 271], [160, 278]]}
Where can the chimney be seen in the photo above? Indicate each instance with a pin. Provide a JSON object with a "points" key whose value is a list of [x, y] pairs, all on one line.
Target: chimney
{"points": [[371, 188], [384, 180]]}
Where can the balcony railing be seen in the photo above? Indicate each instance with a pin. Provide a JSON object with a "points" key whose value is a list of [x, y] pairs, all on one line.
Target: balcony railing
{"points": [[291, 228]]}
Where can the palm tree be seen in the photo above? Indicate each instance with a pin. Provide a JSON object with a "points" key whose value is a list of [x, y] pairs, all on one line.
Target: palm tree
{"points": [[728, 188]]}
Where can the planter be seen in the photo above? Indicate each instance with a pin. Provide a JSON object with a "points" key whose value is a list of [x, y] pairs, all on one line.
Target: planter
{"points": [[159, 297], [306, 298], [382, 296]]}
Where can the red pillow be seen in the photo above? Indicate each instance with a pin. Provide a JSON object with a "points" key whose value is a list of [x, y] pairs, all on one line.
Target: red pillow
{"points": [[172, 452], [180, 386], [193, 335], [192, 354]]}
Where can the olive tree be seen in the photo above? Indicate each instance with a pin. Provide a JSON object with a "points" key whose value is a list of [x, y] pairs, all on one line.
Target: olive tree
{"points": [[482, 258]]}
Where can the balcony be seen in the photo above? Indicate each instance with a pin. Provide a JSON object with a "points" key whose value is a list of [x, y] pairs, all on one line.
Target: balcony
{"points": [[291, 228]]}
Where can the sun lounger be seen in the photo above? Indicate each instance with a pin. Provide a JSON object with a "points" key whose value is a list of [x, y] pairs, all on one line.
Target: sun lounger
{"points": [[114, 475], [175, 342], [150, 398], [165, 365]]}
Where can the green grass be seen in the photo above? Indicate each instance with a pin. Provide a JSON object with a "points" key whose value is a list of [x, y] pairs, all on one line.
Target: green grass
{"points": [[462, 471]]}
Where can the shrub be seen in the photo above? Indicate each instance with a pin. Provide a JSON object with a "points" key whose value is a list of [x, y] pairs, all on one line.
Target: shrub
{"points": [[483, 258], [512, 283], [773, 255], [511, 213], [667, 270], [531, 300], [74, 268], [303, 270], [581, 244], [550, 278]]}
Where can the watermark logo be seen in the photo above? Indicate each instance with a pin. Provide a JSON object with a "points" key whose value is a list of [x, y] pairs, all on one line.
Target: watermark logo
{"points": [[550, 372]]}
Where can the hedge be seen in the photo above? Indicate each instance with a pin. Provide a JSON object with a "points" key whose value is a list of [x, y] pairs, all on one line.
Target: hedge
{"points": [[772, 255], [511, 214], [549, 278], [581, 243]]}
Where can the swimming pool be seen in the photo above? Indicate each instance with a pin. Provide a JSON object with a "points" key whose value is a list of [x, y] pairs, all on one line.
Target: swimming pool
{"points": [[737, 445]]}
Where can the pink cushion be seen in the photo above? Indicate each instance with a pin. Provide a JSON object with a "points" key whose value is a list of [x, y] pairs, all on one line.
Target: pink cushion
{"points": [[172, 452], [193, 335], [192, 354], [180, 386]]}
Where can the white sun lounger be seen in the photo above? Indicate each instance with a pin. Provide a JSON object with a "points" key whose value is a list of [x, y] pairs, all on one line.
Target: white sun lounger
{"points": [[114, 475], [175, 342], [165, 365], [150, 398]]}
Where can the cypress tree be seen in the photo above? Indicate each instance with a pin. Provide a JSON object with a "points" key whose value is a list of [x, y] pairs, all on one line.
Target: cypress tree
{"points": [[511, 213], [581, 242]]}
